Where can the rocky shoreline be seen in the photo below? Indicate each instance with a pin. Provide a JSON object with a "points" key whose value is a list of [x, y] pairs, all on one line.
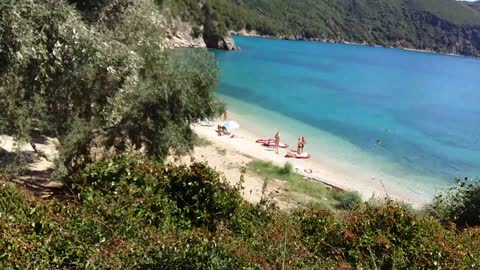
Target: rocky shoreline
{"points": [[181, 34], [254, 33]]}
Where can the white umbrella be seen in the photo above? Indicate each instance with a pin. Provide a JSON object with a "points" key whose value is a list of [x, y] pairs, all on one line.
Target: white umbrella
{"points": [[231, 124]]}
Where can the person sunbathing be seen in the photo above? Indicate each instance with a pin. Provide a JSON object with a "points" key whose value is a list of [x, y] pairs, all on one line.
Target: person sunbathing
{"points": [[220, 130], [225, 130]]}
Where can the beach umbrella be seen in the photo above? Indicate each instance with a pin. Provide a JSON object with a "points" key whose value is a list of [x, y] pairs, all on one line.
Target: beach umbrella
{"points": [[231, 124]]}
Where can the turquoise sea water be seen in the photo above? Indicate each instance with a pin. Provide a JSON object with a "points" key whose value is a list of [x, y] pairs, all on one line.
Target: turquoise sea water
{"points": [[425, 108]]}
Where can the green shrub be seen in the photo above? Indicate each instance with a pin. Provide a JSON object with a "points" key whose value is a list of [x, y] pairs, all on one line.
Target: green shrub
{"points": [[132, 212], [196, 32], [193, 196], [195, 250], [460, 204], [386, 237], [128, 216], [286, 169], [319, 230], [348, 200]]}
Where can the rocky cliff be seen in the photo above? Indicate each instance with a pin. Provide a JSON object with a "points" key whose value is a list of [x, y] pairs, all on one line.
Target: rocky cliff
{"points": [[188, 33], [186, 37], [183, 34], [214, 38]]}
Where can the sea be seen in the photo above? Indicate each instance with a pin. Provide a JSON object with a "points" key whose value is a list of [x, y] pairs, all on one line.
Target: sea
{"points": [[423, 108]]}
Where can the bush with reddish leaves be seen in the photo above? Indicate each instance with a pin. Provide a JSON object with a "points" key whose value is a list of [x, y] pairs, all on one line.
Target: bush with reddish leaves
{"points": [[388, 237], [137, 213]]}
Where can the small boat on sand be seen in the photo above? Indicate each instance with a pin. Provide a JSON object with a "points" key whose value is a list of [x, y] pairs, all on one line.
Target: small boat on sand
{"points": [[271, 143]]}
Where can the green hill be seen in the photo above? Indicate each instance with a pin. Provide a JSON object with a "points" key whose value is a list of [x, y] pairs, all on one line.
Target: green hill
{"points": [[445, 26], [452, 11]]}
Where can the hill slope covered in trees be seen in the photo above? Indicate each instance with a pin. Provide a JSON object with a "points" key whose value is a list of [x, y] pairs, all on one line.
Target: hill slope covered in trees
{"points": [[444, 26]]}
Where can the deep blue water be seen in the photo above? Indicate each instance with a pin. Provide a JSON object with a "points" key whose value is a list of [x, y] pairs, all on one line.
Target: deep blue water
{"points": [[425, 108]]}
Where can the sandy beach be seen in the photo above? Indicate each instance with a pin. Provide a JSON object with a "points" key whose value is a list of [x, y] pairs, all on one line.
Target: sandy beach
{"points": [[229, 155], [324, 171]]}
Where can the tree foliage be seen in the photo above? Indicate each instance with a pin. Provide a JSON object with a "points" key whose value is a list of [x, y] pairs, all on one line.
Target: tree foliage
{"points": [[108, 83], [134, 213], [459, 204]]}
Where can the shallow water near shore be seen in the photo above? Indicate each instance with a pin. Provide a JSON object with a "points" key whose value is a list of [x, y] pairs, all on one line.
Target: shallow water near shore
{"points": [[424, 108]]}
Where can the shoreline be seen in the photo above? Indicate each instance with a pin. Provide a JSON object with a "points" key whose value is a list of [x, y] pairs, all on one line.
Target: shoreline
{"points": [[254, 33], [323, 170]]}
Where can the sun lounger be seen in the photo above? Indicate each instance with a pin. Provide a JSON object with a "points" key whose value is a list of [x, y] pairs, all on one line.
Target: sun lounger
{"points": [[206, 123]]}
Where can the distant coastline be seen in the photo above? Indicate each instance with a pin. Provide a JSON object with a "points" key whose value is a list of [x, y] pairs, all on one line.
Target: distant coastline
{"points": [[254, 33]]}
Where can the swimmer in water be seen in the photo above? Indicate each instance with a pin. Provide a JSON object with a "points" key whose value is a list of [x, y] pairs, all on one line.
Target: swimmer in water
{"points": [[378, 142]]}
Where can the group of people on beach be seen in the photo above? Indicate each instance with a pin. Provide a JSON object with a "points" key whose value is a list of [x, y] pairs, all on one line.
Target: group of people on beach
{"points": [[300, 144], [222, 130]]}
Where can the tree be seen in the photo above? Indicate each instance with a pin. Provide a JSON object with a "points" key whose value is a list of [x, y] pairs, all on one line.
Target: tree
{"points": [[100, 85]]}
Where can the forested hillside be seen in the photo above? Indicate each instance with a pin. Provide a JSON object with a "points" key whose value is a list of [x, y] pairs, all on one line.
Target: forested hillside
{"points": [[445, 26]]}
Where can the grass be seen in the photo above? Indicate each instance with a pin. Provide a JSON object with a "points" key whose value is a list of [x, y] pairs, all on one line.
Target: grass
{"points": [[295, 182], [348, 200], [324, 197]]}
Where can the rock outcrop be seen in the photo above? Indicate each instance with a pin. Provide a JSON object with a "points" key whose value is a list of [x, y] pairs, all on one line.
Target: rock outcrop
{"points": [[193, 34], [214, 36], [180, 34], [219, 42], [183, 34]]}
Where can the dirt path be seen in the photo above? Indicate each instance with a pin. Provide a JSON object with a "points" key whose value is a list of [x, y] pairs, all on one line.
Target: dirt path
{"points": [[37, 177]]}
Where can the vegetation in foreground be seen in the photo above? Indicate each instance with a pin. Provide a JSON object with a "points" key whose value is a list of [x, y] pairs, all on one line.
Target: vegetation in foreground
{"points": [[132, 213]]}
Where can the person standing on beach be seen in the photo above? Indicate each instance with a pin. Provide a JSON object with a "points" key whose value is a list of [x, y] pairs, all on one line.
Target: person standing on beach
{"points": [[277, 141], [299, 145], [304, 141], [225, 115]]}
